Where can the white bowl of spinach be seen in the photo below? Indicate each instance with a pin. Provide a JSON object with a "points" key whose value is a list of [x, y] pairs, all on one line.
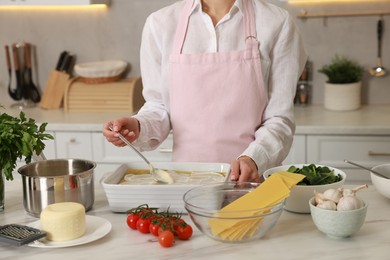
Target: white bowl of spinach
{"points": [[318, 178]]}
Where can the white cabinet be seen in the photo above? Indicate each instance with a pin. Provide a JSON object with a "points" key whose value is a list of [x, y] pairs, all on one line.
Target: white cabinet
{"points": [[74, 145], [297, 152], [306, 148], [109, 157], [363, 149], [50, 147], [106, 152]]}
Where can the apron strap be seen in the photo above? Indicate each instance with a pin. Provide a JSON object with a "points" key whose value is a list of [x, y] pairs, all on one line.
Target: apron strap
{"points": [[251, 41], [249, 19], [182, 26]]}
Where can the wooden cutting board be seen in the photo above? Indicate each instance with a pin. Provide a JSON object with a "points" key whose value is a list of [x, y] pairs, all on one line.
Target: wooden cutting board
{"points": [[53, 94]]}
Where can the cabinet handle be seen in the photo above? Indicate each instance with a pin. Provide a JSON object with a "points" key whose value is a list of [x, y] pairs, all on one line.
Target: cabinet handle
{"points": [[72, 140], [370, 153], [166, 150]]}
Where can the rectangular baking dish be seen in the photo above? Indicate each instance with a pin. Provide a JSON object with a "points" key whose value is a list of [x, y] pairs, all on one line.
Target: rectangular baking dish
{"points": [[169, 196]]}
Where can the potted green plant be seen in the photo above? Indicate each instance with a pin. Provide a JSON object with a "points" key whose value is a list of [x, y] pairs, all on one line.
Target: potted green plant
{"points": [[20, 139], [343, 88]]}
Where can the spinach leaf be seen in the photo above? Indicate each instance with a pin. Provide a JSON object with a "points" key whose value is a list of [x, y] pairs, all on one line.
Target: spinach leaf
{"points": [[315, 175]]}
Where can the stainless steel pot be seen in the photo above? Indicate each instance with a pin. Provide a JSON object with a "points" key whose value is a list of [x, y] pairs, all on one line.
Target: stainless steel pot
{"points": [[57, 180]]}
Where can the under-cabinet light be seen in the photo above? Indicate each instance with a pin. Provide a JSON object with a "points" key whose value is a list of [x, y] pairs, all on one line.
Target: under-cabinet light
{"points": [[331, 1], [24, 3]]}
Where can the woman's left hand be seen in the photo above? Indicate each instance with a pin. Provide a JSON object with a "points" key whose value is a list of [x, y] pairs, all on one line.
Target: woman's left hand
{"points": [[244, 169]]}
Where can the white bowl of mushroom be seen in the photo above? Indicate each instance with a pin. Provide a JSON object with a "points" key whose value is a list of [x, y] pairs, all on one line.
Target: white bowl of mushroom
{"points": [[338, 213]]}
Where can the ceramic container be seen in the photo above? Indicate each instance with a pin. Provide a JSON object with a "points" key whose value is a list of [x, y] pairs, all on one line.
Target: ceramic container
{"points": [[122, 197], [382, 185], [300, 195], [338, 224]]}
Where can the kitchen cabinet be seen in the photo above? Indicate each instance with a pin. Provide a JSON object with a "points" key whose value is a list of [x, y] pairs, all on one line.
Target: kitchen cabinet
{"points": [[297, 152], [363, 149], [321, 137], [94, 146], [306, 148], [74, 145], [50, 147], [109, 157]]}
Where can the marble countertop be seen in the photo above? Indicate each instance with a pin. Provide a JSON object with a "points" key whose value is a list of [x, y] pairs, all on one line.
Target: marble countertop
{"points": [[370, 120], [293, 237], [312, 119]]}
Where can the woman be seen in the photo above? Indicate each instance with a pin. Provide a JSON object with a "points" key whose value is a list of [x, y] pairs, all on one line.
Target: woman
{"points": [[222, 75]]}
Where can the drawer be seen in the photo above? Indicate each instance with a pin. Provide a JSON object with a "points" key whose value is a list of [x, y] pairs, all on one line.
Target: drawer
{"points": [[74, 145], [105, 152], [50, 147], [333, 150]]}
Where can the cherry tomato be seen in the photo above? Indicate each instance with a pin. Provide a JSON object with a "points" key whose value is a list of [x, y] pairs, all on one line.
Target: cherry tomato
{"points": [[166, 238], [183, 232], [132, 220], [153, 229], [143, 225]]}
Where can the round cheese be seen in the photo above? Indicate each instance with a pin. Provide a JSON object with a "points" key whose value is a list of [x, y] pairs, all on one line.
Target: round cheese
{"points": [[63, 221]]}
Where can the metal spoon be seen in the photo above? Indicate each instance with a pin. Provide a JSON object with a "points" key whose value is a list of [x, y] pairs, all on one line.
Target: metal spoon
{"points": [[368, 169], [158, 175], [379, 71]]}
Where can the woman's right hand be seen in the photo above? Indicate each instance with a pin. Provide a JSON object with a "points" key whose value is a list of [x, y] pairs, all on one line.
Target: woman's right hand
{"points": [[127, 126]]}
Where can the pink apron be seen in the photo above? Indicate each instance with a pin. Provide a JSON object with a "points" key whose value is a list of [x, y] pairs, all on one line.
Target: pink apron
{"points": [[217, 99]]}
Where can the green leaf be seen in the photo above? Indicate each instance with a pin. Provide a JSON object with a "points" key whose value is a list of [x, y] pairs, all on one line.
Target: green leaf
{"points": [[316, 175], [20, 138], [342, 71]]}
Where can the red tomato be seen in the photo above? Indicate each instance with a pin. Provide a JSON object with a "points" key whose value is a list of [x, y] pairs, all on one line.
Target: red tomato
{"points": [[153, 229], [143, 225], [184, 232], [132, 220], [166, 238]]}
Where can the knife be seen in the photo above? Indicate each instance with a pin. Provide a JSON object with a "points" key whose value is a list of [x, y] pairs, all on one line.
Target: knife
{"points": [[61, 59], [67, 64]]}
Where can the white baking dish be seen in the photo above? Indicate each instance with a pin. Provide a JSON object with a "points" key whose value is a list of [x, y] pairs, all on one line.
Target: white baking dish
{"points": [[170, 196]]}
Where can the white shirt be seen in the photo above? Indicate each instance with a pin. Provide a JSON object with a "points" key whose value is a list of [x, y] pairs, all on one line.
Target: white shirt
{"points": [[282, 57]]}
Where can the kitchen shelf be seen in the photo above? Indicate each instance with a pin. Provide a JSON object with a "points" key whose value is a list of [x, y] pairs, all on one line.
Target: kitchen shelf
{"points": [[305, 15]]}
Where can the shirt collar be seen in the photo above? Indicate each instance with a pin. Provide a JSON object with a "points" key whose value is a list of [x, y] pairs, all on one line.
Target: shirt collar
{"points": [[237, 7]]}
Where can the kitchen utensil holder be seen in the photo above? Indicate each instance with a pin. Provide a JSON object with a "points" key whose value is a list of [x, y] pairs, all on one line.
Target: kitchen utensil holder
{"points": [[53, 94]]}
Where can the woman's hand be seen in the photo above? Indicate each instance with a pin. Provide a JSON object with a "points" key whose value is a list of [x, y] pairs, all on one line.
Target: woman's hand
{"points": [[127, 126], [244, 169]]}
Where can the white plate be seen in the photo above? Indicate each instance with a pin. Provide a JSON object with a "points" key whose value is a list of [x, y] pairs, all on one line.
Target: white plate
{"points": [[96, 228]]}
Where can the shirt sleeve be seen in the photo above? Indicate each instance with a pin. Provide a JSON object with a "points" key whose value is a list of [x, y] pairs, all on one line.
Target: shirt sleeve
{"points": [[274, 137], [153, 116]]}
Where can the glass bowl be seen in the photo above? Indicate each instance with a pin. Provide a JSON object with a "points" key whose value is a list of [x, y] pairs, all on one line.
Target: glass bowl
{"points": [[204, 204]]}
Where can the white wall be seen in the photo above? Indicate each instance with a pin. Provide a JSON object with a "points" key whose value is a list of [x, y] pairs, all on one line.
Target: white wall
{"points": [[115, 34]]}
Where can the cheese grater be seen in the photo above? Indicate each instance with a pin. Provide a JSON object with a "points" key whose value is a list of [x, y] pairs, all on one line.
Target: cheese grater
{"points": [[19, 234]]}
